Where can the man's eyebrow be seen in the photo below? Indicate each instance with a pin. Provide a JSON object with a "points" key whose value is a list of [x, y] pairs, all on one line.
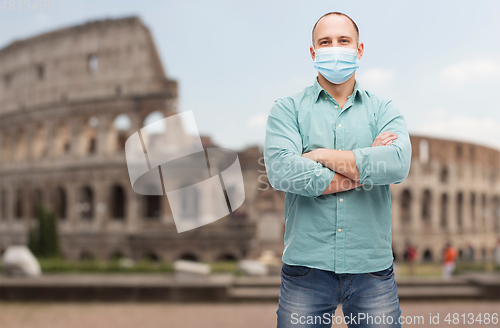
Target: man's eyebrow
{"points": [[340, 37]]}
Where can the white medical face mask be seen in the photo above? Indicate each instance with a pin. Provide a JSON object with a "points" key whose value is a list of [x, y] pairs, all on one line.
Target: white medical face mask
{"points": [[336, 64]]}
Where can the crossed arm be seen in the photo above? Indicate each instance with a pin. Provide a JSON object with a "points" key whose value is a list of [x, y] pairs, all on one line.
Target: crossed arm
{"points": [[343, 162], [325, 171]]}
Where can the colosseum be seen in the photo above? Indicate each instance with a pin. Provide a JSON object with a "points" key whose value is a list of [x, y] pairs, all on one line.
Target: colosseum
{"points": [[69, 99]]}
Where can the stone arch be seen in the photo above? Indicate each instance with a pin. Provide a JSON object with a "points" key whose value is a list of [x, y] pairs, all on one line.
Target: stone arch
{"points": [[152, 206], [117, 202], [189, 256], [427, 255], [88, 136], [21, 147], [37, 198], [18, 203], [6, 149], [152, 117], [496, 213], [458, 150], [406, 207], [444, 174], [444, 211], [86, 204], [92, 63], [39, 144], [483, 210], [473, 211], [426, 205], [118, 132], [60, 203], [62, 138], [460, 206]]}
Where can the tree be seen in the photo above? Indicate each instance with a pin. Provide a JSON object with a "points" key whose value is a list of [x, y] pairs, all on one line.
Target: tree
{"points": [[43, 238]]}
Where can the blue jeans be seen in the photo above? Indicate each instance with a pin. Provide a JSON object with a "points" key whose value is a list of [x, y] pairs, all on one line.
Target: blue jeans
{"points": [[309, 297]]}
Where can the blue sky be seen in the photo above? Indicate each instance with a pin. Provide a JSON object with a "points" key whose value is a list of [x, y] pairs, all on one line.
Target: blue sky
{"points": [[439, 61]]}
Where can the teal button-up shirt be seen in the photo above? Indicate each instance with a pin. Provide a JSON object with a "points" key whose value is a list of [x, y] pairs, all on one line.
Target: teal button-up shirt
{"points": [[348, 231]]}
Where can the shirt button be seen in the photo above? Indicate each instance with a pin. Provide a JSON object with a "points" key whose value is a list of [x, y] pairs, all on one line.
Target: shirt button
{"points": [[341, 200], [339, 125], [326, 98], [336, 106], [339, 230]]}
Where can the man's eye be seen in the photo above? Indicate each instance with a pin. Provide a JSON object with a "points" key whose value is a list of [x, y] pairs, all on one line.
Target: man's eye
{"points": [[345, 40], [323, 42]]}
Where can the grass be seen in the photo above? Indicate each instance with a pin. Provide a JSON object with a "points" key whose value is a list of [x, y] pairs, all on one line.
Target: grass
{"points": [[435, 269], [96, 266], [57, 265]]}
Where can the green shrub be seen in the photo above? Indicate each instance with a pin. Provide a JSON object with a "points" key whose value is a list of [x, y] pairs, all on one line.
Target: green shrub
{"points": [[58, 265], [43, 239]]}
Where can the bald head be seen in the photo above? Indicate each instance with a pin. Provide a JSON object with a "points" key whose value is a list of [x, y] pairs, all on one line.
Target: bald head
{"points": [[334, 24]]}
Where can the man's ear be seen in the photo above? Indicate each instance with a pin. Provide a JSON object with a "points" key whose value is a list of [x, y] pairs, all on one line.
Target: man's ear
{"points": [[313, 54], [361, 49]]}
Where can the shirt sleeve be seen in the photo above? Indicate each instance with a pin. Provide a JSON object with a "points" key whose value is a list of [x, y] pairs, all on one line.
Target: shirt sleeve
{"points": [[286, 169], [384, 165]]}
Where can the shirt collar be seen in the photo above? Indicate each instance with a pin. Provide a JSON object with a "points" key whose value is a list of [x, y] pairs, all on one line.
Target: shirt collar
{"points": [[317, 88]]}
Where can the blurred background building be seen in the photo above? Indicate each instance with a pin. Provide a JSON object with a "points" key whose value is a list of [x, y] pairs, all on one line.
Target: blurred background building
{"points": [[69, 99]]}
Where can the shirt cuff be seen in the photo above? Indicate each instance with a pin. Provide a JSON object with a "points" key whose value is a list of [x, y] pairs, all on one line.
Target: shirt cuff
{"points": [[320, 180], [363, 163]]}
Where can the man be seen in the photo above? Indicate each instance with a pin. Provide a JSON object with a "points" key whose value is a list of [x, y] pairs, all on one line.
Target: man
{"points": [[449, 256], [411, 257], [334, 149]]}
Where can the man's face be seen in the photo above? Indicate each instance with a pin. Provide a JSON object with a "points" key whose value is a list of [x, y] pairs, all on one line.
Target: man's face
{"points": [[336, 31]]}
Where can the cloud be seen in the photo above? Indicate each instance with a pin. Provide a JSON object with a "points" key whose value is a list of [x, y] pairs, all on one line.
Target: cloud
{"points": [[42, 17], [257, 121], [471, 70], [377, 77], [447, 125]]}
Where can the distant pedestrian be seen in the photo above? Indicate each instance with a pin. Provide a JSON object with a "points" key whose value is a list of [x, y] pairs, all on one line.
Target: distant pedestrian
{"points": [[449, 256], [497, 253], [411, 256], [470, 252]]}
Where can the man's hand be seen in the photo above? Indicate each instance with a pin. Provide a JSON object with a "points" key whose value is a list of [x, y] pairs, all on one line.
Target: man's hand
{"points": [[315, 154], [384, 139]]}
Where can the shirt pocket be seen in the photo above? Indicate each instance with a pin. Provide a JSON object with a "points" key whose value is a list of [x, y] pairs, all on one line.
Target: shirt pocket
{"points": [[365, 134], [317, 131]]}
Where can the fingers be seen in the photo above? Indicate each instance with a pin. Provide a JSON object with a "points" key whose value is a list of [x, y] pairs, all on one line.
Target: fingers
{"points": [[388, 140], [386, 133]]}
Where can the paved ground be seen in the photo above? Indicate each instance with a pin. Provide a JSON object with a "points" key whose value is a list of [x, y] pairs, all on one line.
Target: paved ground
{"points": [[153, 315]]}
